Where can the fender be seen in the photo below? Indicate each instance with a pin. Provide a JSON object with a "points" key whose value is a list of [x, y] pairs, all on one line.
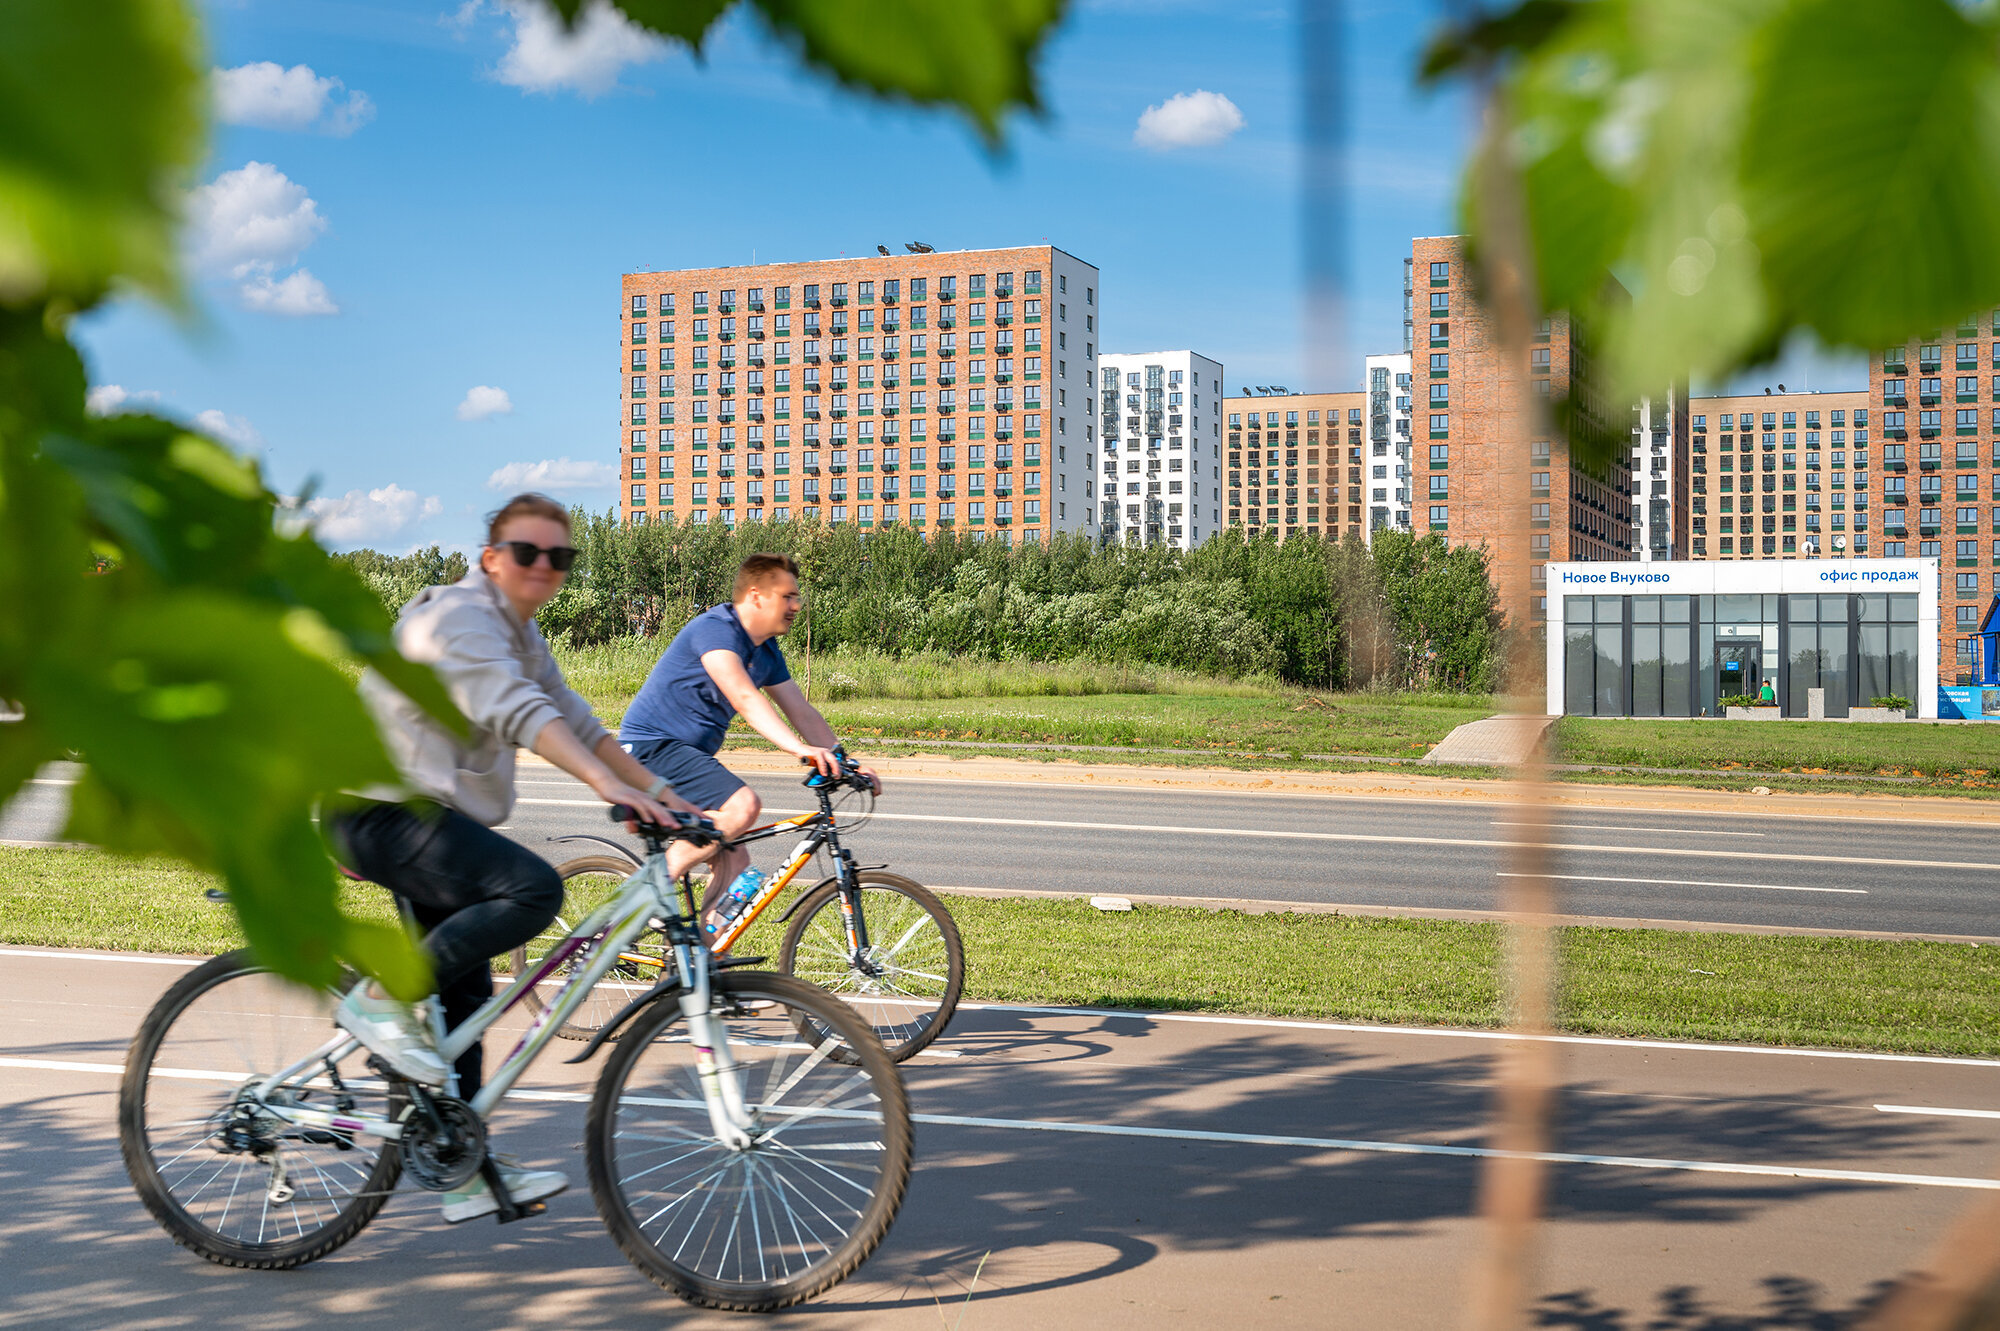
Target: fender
{"points": [[664, 989], [800, 899]]}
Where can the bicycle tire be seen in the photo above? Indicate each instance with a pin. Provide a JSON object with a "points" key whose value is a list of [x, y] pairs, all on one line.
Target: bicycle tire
{"points": [[619, 985], [338, 1215], [762, 1008], [815, 950]]}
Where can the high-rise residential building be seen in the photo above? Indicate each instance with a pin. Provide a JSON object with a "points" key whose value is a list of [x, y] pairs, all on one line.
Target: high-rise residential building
{"points": [[1160, 427], [1660, 474], [930, 389], [1473, 485], [1941, 487], [1782, 476], [1387, 464], [1285, 455]]}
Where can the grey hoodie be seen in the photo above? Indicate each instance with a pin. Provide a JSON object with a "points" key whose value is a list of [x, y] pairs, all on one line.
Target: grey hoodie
{"points": [[502, 676]]}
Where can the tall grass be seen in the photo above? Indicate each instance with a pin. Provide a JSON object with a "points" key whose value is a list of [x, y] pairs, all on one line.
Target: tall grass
{"points": [[609, 673]]}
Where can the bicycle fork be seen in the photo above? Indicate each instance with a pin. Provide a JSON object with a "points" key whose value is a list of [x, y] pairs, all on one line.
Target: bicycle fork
{"points": [[721, 1081]]}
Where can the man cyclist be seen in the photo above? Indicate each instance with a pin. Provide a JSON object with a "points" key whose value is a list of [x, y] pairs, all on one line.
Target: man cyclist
{"points": [[723, 663], [430, 840]]}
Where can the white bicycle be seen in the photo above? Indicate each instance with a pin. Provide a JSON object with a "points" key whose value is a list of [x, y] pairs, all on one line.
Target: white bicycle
{"points": [[748, 1139]]}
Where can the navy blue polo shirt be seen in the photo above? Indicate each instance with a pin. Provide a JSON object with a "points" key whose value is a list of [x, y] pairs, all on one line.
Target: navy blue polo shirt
{"points": [[680, 702]]}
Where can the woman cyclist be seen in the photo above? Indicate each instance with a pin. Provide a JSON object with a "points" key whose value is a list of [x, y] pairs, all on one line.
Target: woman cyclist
{"points": [[431, 841]]}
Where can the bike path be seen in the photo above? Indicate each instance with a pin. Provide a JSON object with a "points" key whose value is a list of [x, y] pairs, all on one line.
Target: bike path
{"points": [[1100, 1170]]}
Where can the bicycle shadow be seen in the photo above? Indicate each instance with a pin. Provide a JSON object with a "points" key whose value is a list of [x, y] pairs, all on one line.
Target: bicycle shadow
{"points": [[1789, 1304]]}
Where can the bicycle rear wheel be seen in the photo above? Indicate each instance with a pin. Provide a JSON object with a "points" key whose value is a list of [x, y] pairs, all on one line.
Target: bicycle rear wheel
{"points": [[588, 883], [798, 1210], [239, 1187], [906, 985]]}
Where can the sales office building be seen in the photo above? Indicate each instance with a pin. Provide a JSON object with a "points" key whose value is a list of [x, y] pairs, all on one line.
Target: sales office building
{"points": [[1672, 638]]}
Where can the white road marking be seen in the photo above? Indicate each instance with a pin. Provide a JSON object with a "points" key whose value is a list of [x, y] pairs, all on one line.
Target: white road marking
{"points": [[1243, 1138], [1600, 827], [1684, 882], [1278, 1023], [1939, 1113], [1376, 839], [50, 781], [101, 956]]}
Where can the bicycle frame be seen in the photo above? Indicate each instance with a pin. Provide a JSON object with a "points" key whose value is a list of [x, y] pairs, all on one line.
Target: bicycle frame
{"points": [[820, 832], [611, 928]]}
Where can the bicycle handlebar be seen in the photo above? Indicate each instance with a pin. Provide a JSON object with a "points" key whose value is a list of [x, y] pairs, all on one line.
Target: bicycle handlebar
{"points": [[850, 773], [685, 827]]}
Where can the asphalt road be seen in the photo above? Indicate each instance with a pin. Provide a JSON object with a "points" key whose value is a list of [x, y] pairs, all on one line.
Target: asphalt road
{"points": [[1842, 873], [1098, 1170]]}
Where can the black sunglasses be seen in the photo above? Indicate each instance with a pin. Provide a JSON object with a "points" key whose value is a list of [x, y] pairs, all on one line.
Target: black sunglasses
{"points": [[561, 557]]}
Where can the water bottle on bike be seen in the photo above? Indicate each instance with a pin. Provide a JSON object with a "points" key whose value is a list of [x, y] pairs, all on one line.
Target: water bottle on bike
{"points": [[737, 900]]}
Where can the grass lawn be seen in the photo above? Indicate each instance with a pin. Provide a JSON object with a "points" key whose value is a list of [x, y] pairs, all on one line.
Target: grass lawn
{"points": [[1852, 993], [1967, 757], [1289, 723]]}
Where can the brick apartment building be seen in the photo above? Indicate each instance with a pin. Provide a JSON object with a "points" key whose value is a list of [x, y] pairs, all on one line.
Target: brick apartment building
{"points": [[1941, 478], [1471, 483], [1780, 476], [1294, 462], [938, 390]]}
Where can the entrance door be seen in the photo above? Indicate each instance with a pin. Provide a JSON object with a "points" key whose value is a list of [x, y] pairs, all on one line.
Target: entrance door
{"points": [[1739, 668]]}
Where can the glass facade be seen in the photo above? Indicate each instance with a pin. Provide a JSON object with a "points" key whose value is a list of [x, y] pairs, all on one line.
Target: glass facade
{"points": [[1680, 655]]}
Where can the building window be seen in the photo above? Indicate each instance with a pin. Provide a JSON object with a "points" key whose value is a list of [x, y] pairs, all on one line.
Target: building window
{"points": [[1440, 425], [1439, 514], [1440, 304]]}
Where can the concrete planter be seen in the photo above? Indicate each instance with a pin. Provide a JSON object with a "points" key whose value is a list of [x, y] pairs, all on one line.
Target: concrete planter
{"points": [[1875, 714], [1753, 714]]}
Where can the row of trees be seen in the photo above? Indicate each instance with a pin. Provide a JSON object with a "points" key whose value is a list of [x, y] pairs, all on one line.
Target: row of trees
{"points": [[1404, 612]]}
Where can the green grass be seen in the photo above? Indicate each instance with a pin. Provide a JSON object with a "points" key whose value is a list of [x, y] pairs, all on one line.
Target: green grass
{"points": [[1289, 723], [1961, 757], [1837, 992], [930, 696]]}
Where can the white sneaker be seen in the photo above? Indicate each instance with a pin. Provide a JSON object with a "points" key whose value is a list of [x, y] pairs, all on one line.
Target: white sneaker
{"points": [[475, 1199], [395, 1032]]}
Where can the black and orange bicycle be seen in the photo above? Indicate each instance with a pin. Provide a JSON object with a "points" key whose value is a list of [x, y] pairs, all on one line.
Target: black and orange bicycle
{"points": [[882, 942]]}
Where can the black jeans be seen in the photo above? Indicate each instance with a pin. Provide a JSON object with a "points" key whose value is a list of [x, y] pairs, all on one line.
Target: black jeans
{"points": [[475, 893]]}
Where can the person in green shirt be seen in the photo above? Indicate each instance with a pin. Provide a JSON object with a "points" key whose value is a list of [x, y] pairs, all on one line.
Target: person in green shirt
{"points": [[1767, 696]]}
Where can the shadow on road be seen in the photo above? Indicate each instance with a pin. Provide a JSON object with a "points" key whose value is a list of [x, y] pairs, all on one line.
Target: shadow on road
{"points": [[1045, 1212], [1789, 1302]]}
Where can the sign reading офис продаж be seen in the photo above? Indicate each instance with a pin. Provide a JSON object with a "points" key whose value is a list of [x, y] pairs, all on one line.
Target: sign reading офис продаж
{"points": [[1676, 638]]}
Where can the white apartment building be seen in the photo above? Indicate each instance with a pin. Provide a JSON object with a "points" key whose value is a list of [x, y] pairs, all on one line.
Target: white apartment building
{"points": [[1159, 422], [1660, 476], [1386, 474]]}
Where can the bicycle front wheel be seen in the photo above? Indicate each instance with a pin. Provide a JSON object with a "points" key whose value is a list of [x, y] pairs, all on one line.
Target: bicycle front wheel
{"points": [[241, 1187], [802, 1206], [906, 982], [589, 882]]}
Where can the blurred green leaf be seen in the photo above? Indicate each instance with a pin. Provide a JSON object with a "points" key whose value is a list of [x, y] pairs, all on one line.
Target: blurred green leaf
{"points": [[209, 735], [102, 111], [686, 21], [1481, 38], [1871, 161]]}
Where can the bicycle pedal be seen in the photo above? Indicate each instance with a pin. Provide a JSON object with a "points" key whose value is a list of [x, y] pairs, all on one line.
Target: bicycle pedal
{"points": [[519, 1212]]}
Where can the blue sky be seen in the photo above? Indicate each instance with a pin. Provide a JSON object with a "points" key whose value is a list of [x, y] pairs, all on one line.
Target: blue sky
{"points": [[444, 199]]}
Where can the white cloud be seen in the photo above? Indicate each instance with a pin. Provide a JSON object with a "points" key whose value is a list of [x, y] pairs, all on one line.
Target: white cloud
{"points": [[229, 429], [252, 221], [363, 517], [552, 475], [296, 294], [1188, 120], [253, 218], [106, 399], [483, 401], [270, 96], [546, 57]]}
